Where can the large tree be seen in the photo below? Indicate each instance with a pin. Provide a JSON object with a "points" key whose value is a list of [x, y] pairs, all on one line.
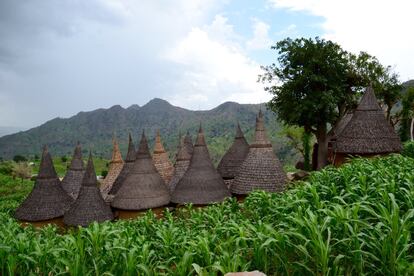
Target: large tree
{"points": [[316, 82]]}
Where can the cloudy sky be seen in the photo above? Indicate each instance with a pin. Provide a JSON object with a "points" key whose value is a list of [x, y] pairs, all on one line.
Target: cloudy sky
{"points": [[59, 57]]}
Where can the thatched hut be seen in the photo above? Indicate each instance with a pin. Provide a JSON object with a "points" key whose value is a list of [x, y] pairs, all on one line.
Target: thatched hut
{"points": [[234, 157], [89, 206], [261, 170], [161, 160], [143, 187], [47, 200], [72, 181], [114, 169], [368, 133], [201, 183], [333, 135], [129, 163], [188, 142], [182, 162]]}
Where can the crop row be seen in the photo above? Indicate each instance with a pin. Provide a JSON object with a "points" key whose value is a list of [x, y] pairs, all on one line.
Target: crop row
{"points": [[358, 219]]}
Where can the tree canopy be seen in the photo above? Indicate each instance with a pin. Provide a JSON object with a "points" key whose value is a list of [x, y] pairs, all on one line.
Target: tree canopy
{"points": [[315, 82]]}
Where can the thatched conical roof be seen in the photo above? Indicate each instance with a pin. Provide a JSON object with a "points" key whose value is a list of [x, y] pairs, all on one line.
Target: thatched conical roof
{"points": [[368, 131], [261, 170], [161, 160], [72, 181], [115, 167], [188, 141], [89, 206], [129, 163], [181, 165], [234, 157], [143, 187], [340, 126], [47, 200], [201, 183]]}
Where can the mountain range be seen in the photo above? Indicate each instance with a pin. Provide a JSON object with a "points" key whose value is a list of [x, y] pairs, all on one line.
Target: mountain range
{"points": [[95, 129]]}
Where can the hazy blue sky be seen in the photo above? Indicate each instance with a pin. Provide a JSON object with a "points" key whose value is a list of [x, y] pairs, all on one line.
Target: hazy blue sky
{"points": [[58, 57]]}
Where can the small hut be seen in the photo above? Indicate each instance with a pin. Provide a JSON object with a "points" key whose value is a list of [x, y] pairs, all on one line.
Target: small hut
{"points": [[161, 160], [201, 183], [261, 170], [114, 169], [234, 157], [188, 142], [368, 133], [129, 163], [47, 200], [143, 187], [89, 206], [72, 181], [182, 162]]}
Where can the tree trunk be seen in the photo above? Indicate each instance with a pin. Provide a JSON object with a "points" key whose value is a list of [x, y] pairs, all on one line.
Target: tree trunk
{"points": [[411, 129], [306, 150], [321, 137]]}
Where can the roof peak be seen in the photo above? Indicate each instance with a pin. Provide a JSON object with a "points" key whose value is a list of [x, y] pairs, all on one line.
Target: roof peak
{"points": [[46, 169], [130, 157], [369, 100], [143, 149], [200, 141], [116, 153], [158, 147], [260, 133], [239, 132], [89, 178]]}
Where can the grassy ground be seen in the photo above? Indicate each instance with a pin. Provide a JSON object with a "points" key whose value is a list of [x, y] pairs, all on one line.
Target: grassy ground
{"points": [[355, 220]]}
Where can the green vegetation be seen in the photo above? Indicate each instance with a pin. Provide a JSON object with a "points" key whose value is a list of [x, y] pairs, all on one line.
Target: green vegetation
{"points": [[408, 149], [315, 82], [7, 167], [358, 219], [94, 130]]}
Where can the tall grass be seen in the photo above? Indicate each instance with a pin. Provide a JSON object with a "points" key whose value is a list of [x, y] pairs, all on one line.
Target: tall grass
{"points": [[355, 220]]}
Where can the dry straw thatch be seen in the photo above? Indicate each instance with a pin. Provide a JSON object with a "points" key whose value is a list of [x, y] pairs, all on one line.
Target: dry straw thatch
{"points": [[368, 131], [89, 206], [129, 163], [47, 200], [188, 141], [161, 160], [115, 167], [143, 187], [234, 157], [72, 181], [201, 183], [182, 162], [261, 170]]}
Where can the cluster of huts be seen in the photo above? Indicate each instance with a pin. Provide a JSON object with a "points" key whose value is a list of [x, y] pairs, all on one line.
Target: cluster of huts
{"points": [[143, 181]]}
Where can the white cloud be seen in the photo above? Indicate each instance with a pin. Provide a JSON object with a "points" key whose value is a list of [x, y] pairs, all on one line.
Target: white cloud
{"points": [[261, 39], [382, 28], [215, 68], [290, 30]]}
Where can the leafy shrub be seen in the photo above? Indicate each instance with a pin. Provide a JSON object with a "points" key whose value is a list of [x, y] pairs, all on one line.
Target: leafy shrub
{"points": [[408, 149], [6, 167], [19, 158], [104, 173]]}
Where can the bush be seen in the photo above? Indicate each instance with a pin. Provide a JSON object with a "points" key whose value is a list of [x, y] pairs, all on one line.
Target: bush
{"points": [[19, 158], [408, 149], [6, 167], [64, 159], [104, 173]]}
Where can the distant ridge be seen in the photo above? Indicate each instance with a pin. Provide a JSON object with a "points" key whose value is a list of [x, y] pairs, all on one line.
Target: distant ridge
{"points": [[94, 129]]}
